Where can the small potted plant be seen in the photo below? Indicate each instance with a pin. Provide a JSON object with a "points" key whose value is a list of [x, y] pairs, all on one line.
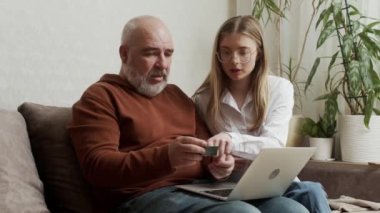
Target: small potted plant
{"points": [[321, 133]]}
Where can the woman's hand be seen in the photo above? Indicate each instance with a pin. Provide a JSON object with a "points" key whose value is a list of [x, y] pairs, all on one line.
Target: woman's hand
{"points": [[222, 166], [223, 141]]}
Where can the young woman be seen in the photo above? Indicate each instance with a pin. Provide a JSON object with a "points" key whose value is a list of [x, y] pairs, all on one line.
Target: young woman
{"points": [[245, 108]]}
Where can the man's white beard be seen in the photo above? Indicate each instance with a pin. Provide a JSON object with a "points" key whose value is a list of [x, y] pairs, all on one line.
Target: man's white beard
{"points": [[141, 83]]}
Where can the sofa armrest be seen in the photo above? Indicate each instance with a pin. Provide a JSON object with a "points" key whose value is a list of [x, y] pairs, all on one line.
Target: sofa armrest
{"points": [[343, 178]]}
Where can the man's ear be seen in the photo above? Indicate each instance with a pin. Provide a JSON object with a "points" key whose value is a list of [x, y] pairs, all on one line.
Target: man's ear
{"points": [[123, 52]]}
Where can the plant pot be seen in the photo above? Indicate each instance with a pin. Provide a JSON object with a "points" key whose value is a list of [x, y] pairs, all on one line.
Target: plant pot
{"points": [[324, 148], [357, 142]]}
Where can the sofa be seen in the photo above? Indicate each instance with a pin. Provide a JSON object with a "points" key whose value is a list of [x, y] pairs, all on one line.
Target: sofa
{"points": [[39, 171]]}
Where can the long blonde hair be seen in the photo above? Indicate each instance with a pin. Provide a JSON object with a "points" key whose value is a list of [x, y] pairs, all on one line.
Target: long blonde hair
{"points": [[217, 80]]}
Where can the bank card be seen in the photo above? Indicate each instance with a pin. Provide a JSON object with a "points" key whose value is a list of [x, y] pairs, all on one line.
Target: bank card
{"points": [[211, 151]]}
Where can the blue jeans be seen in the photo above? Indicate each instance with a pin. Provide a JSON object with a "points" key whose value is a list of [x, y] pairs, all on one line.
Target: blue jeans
{"points": [[310, 194], [170, 199]]}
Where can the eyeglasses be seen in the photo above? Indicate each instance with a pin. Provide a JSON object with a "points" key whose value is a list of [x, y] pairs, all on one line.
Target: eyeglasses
{"points": [[244, 55]]}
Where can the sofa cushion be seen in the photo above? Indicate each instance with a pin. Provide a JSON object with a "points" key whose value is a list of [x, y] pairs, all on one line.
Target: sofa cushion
{"points": [[65, 189], [20, 187]]}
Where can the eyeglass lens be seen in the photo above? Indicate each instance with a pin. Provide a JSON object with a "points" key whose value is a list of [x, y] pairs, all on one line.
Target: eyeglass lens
{"points": [[243, 56]]}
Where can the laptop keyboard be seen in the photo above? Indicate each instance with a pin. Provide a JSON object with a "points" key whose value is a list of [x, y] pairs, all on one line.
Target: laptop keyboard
{"points": [[220, 192]]}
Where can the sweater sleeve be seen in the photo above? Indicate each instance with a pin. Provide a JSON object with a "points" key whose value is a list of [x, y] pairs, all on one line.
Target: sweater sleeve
{"points": [[202, 129], [95, 135]]}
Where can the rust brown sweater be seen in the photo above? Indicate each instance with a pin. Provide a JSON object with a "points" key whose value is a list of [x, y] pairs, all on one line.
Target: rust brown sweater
{"points": [[121, 139]]}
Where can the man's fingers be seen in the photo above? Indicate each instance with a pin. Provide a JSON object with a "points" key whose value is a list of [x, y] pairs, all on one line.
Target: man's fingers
{"points": [[192, 157], [192, 140], [192, 149]]}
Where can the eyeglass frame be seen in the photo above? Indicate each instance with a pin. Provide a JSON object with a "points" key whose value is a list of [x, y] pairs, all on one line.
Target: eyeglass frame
{"points": [[218, 56]]}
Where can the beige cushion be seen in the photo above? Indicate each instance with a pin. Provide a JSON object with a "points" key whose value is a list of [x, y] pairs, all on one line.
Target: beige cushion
{"points": [[295, 137], [65, 190], [21, 190]]}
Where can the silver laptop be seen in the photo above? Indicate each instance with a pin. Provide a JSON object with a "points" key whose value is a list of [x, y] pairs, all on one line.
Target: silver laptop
{"points": [[269, 175]]}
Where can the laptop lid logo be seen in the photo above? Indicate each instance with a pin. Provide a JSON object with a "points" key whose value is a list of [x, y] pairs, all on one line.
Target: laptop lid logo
{"points": [[274, 173]]}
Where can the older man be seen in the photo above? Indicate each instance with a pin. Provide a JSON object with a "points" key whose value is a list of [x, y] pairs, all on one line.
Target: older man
{"points": [[136, 137]]}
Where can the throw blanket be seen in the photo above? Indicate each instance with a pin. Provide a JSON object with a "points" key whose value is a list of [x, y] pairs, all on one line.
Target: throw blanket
{"points": [[350, 204]]}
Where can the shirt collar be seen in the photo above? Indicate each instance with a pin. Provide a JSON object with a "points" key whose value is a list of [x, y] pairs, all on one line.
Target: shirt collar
{"points": [[230, 101]]}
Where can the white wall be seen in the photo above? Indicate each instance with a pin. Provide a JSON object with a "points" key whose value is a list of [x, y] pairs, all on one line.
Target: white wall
{"points": [[52, 50]]}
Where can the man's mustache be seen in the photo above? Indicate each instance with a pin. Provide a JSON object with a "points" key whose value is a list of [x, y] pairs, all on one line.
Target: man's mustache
{"points": [[159, 73]]}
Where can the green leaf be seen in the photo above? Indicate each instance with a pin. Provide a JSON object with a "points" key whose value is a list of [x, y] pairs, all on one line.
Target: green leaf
{"points": [[331, 130], [331, 107], [322, 97], [375, 81], [371, 45], [333, 58], [314, 131], [332, 62], [274, 8], [348, 44], [325, 15], [307, 126], [377, 111], [354, 10], [368, 108], [372, 25], [364, 73], [365, 65], [258, 9], [312, 73], [355, 26], [320, 2], [338, 16], [353, 74], [327, 30], [376, 32]]}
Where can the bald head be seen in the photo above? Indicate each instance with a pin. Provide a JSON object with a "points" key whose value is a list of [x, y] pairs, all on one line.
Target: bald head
{"points": [[141, 26]]}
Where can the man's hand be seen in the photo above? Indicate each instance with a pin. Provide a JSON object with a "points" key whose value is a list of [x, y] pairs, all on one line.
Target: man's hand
{"points": [[223, 141], [185, 151], [221, 166]]}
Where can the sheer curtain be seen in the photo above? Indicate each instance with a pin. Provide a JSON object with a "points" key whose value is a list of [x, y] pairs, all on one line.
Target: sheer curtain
{"points": [[285, 42]]}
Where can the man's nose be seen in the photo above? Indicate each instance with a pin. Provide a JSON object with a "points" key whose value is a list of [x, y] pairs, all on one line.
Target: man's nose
{"points": [[163, 62]]}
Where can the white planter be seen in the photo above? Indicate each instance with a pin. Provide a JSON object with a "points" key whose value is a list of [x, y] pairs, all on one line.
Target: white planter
{"points": [[324, 148], [358, 143]]}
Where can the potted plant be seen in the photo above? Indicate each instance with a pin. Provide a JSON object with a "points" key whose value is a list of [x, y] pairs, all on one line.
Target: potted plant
{"points": [[351, 75], [321, 133]]}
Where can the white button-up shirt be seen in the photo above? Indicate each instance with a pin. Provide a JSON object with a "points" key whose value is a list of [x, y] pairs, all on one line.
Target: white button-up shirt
{"points": [[272, 133]]}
